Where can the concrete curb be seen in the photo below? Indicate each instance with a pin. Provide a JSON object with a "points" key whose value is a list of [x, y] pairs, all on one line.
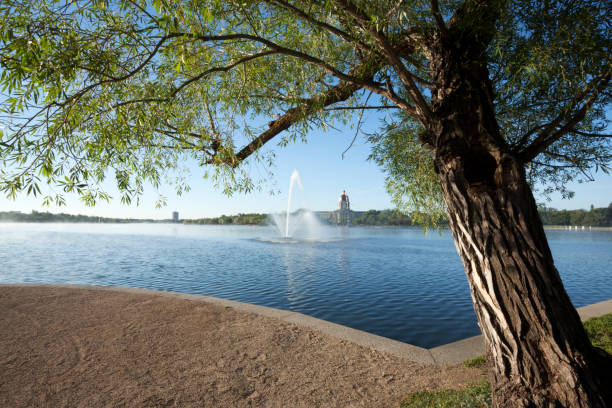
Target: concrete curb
{"points": [[595, 310], [448, 354], [459, 351]]}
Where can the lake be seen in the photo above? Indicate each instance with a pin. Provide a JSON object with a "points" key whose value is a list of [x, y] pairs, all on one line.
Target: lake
{"points": [[394, 282]]}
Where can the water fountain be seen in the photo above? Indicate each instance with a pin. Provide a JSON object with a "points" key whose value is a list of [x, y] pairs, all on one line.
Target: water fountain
{"points": [[295, 177], [301, 225]]}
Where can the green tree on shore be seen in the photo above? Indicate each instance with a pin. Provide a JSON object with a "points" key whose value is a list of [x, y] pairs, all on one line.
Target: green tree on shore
{"points": [[486, 98]]}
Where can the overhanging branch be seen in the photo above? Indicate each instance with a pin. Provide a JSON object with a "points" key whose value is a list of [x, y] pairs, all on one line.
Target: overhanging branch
{"points": [[222, 69], [338, 93], [330, 28], [435, 9], [405, 76], [586, 134], [279, 49], [557, 129], [379, 107]]}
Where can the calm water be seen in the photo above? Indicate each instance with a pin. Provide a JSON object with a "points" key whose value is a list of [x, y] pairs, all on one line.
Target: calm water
{"points": [[397, 283]]}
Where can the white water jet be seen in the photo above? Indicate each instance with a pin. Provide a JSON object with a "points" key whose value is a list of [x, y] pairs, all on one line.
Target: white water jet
{"points": [[295, 177], [301, 223]]}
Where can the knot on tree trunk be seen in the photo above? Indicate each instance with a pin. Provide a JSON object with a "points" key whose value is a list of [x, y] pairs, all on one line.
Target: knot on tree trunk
{"points": [[479, 168]]}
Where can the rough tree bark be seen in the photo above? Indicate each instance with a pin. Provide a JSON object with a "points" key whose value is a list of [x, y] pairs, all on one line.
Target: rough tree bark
{"points": [[541, 353]]}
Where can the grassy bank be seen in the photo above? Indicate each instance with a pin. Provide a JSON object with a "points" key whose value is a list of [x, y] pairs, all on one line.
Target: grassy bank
{"points": [[599, 330], [478, 394]]}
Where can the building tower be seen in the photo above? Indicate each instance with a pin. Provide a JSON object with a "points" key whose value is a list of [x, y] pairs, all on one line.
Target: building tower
{"points": [[175, 216], [344, 210]]}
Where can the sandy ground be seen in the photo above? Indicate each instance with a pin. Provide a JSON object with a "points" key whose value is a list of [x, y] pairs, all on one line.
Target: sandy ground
{"points": [[63, 347]]}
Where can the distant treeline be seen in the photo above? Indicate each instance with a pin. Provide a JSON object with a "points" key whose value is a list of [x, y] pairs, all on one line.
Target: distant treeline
{"points": [[371, 217], [381, 218], [35, 216], [240, 219], [595, 217]]}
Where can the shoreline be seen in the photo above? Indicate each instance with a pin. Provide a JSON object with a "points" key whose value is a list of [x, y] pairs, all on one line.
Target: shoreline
{"points": [[443, 355]]}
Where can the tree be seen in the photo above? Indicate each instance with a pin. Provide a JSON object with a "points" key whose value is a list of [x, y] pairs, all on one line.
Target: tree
{"points": [[486, 99]]}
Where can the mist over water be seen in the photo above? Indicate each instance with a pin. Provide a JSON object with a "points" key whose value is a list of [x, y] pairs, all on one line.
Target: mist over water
{"points": [[300, 225], [395, 282]]}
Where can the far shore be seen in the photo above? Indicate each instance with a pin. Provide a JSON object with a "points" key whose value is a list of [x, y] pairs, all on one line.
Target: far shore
{"points": [[596, 218], [576, 228], [167, 222]]}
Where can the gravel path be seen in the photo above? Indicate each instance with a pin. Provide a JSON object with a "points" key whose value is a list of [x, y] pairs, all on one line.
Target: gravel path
{"points": [[66, 347]]}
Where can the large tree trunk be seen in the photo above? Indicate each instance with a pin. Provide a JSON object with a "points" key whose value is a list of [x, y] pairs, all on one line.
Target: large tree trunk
{"points": [[541, 353]]}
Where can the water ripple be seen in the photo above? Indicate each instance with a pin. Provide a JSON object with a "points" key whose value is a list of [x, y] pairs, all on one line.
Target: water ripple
{"points": [[397, 283]]}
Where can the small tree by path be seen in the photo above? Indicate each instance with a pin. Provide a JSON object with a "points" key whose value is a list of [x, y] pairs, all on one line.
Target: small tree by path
{"points": [[484, 99]]}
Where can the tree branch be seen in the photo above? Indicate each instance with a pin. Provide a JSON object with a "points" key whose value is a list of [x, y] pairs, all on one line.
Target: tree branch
{"points": [[435, 9], [335, 108], [210, 119], [422, 108], [358, 126], [221, 69], [128, 75], [131, 101], [547, 137], [580, 133], [334, 30], [171, 135], [554, 166], [338, 93], [582, 158], [371, 85], [191, 134]]}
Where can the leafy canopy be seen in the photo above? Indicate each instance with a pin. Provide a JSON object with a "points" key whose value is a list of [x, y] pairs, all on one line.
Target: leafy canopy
{"points": [[131, 89]]}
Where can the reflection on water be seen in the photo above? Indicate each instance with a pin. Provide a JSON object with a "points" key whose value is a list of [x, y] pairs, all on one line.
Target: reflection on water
{"points": [[292, 240], [397, 283]]}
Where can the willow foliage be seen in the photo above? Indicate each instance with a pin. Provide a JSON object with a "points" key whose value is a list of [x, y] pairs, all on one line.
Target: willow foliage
{"points": [[130, 89]]}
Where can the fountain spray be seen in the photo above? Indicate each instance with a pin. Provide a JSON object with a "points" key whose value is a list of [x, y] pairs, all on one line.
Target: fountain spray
{"points": [[295, 177]]}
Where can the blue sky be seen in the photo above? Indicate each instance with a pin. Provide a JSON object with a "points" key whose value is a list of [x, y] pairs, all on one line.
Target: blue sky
{"points": [[324, 175]]}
